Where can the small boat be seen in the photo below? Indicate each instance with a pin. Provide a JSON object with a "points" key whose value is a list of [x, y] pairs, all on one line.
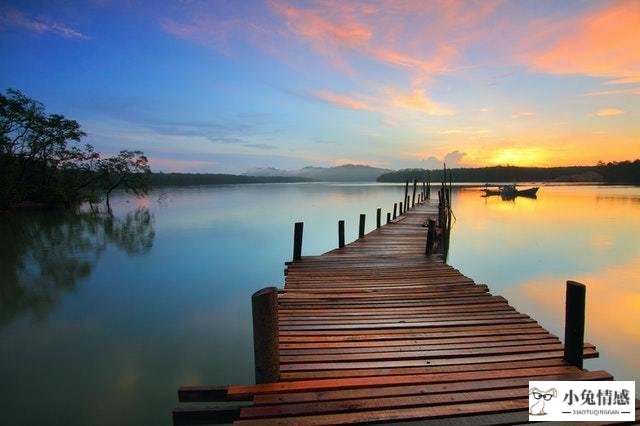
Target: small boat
{"points": [[510, 191]]}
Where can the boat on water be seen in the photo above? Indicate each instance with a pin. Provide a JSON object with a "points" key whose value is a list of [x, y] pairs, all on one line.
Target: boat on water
{"points": [[510, 191]]}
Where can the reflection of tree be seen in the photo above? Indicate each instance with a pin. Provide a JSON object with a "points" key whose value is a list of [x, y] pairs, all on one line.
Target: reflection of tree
{"points": [[44, 255]]}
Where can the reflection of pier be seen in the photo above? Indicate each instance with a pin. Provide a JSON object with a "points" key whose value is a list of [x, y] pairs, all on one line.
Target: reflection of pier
{"points": [[383, 330]]}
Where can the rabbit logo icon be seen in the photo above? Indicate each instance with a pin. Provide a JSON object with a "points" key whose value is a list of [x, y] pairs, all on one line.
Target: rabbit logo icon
{"points": [[539, 398]]}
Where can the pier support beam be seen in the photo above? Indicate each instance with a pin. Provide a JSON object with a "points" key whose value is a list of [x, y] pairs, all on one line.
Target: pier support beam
{"points": [[297, 240], [413, 198], [431, 236], [264, 304], [574, 323], [340, 233], [406, 194]]}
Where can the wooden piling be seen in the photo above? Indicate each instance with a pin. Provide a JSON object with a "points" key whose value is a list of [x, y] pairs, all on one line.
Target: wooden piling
{"points": [[341, 233], [378, 219], [406, 194], [431, 236], [264, 305], [395, 206], [574, 323], [361, 226], [413, 198], [388, 217], [401, 212], [297, 240]]}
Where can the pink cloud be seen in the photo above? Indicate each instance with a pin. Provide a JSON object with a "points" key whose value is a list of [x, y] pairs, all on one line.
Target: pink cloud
{"points": [[417, 100], [602, 43], [17, 18], [340, 100]]}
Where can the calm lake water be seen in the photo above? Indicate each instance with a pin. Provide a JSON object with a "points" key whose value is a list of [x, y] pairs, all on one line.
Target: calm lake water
{"points": [[101, 318]]}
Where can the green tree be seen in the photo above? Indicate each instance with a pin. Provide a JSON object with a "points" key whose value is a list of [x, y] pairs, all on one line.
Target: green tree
{"points": [[128, 170], [39, 153], [43, 161]]}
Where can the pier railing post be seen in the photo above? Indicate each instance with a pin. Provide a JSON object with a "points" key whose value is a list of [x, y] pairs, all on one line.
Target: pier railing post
{"points": [[401, 208], [413, 199], [264, 304], [431, 236], [361, 226], [378, 219], [388, 217], [297, 240], [574, 323], [341, 233], [406, 194], [395, 207]]}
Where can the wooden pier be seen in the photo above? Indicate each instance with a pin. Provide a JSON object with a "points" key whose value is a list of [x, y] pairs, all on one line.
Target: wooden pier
{"points": [[382, 330]]}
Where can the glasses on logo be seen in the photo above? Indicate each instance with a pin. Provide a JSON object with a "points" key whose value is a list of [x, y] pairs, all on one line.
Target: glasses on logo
{"points": [[546, 397]]}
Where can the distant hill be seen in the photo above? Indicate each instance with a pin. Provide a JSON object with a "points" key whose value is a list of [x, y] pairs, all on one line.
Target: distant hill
{"points": [[189, 179], [345, 173]]}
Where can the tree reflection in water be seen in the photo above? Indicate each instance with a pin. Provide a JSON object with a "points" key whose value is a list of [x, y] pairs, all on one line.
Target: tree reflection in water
{"points": [[44, 255]]}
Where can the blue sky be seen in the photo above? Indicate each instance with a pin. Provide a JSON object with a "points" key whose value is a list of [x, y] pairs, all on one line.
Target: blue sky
{"points": [[226, 86]]}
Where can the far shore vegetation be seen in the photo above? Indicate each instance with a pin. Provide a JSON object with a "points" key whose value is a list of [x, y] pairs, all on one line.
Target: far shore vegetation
{"points": [[44, 163], [623, 172]]}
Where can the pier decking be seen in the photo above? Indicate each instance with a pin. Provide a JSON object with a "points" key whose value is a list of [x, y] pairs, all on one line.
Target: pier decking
{"points": [[377, 331]]}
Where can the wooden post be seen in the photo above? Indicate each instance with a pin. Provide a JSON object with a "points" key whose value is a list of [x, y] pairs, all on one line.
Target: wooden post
{"points": [[406, 192], [428, 190], [297, 240], [388, 217], [361, 227], [413, 198], [341, 233], [264, 306], [378, 214], [574, 323], [395, 206], [400, 208], [431, 236], [406, 204]]}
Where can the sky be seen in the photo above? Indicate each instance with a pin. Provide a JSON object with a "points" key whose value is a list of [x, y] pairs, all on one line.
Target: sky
{"points": [[225, 86]]}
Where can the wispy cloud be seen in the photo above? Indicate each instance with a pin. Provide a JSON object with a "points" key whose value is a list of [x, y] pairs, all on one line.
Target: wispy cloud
{"points": [[627, 91], [625, 80], [340, 100], [608, 112], [16, 18], [522, 114], [602, 43], [417, 100]]}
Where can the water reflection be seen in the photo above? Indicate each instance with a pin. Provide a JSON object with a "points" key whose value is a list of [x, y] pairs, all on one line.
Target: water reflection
{"points": [[526, 249], [45, 255]]}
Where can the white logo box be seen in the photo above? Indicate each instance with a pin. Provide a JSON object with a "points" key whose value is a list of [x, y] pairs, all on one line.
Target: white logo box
{"points": [[582, 401]]}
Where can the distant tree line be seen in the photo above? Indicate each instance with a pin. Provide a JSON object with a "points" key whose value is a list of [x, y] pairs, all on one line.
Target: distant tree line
{"points": [[42, 161], [189, 179], [615, 172]]}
